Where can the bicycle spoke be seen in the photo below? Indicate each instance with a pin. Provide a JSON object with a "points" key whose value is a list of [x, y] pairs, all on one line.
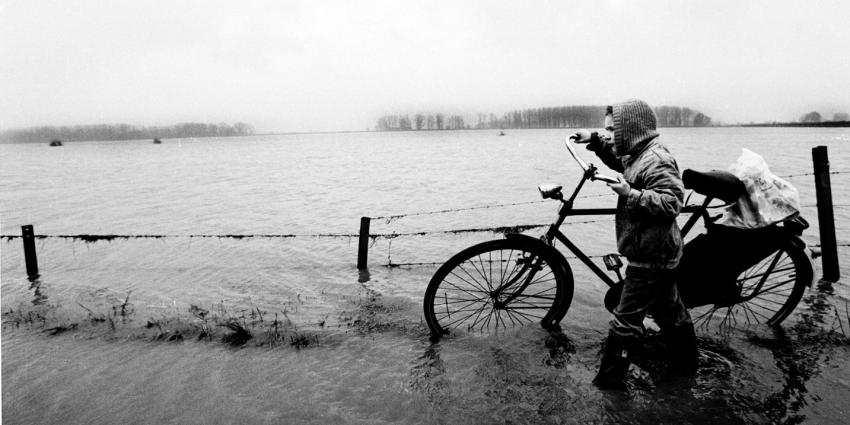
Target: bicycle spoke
{"points": [[461, 300], [475, 285], [533, 307], [759, 267], [481, 271], [505, 269], [749, 309], [775, 271], [483, 319], [481, 287], [472, 292], [469, 303], [519, 318], [540, 283], [478, 315], [463, 319], [486, 322], [453, 285], [709, 313], [537, 293], [535, 318], [543, 277], [766, 300], [524, 302], [459, 310], [473, 278], [523, 268], [510, 317], [499, 317], [490, 264], [783, 283]]}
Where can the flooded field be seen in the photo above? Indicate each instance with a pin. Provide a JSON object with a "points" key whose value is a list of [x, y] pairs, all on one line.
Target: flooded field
{"points": [[171, 322]]}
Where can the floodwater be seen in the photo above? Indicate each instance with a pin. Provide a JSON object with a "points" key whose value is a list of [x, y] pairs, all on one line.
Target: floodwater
{"points": [[175, 327]]}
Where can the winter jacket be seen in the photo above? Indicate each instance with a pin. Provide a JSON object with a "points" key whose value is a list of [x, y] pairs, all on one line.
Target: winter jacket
{"points": [[646, 228]]}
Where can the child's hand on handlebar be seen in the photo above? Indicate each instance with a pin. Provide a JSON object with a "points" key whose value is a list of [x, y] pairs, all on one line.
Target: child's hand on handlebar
{"points": [[622, 187], [591, 138], [581, 136]]}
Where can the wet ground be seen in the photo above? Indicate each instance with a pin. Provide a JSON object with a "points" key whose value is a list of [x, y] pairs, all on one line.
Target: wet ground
{"points": [[376, 364]]}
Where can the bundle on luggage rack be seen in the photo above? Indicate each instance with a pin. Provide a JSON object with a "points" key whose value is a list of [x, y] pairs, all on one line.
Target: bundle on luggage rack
{"points": [[761, 216]]}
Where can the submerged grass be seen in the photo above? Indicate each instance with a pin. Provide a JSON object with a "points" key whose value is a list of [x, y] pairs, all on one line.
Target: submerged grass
{"points": [[230, 325], [238, 335]]}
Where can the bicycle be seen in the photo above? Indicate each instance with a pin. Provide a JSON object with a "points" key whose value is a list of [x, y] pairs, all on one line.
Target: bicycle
{"points": [[520, 280]]}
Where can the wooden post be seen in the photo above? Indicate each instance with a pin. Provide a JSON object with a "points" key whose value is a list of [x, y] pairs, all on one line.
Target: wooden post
{"points": [[826, 220], [28, 236], [363, 247]]}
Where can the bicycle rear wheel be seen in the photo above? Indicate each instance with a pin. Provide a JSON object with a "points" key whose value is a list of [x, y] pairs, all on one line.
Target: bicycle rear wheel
{"points": [[767, 292], [496, 285]]}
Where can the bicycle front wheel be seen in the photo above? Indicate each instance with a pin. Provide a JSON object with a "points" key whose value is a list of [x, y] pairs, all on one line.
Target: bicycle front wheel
{"points": [[768, 291], [496, 285]]}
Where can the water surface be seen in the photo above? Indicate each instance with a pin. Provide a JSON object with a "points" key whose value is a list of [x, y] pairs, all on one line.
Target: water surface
{"points": [[331, 344]]}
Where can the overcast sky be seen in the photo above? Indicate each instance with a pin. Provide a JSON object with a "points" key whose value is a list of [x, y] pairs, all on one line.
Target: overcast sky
{"points": [[338, 65]]}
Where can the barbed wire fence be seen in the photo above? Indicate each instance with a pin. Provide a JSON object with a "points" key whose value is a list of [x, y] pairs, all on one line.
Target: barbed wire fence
{"points": [[388, 219]]}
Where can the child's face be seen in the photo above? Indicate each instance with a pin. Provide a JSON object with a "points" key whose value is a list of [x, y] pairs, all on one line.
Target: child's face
{"points": [[607, 136]]}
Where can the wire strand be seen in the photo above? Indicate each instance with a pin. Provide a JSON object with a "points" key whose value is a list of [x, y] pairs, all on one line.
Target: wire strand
{"points": [[390, 218], [438, 263], [109, 237], [393, 217], [811, 174]]}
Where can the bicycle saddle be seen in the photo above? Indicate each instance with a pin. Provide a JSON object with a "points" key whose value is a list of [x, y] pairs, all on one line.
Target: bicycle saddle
{"points": [[715, 183]]}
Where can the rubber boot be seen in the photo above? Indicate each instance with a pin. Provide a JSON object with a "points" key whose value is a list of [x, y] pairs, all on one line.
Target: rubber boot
{"points": [[681, 344], [615, 364]]}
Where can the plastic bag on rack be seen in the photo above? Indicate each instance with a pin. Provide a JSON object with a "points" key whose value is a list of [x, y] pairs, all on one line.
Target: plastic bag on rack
{"points": [[768, 200]]}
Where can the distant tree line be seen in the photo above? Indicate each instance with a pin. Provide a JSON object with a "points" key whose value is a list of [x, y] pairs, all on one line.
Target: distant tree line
{"points": [[815, 116], [124, 132], [553, 117], [809, 119], [421, 122]]}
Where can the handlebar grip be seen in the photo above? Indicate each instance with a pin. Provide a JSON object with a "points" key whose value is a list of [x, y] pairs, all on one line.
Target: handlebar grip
{"points": [[606, 179]]}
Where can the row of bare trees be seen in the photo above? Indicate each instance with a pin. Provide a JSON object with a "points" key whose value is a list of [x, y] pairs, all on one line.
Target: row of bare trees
{"points": [[421, 122], [124, 132], [553, 117]]}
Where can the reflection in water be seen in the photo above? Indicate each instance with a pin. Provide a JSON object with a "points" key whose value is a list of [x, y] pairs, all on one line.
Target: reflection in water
{"points": [[798, 356], [817, 305], [363, 275], [798, 364], [426, 375], [560, 348], [39, 297]]}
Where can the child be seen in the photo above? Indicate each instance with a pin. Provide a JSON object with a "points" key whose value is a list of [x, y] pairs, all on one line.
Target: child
{"points": [[650, 197]]}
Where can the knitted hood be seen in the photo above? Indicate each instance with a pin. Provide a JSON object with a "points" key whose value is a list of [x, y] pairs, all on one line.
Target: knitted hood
{"points": [[634, 126]]}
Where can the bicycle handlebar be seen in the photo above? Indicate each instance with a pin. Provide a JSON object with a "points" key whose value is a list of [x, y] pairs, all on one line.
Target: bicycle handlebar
{"points": [[585, 167]]}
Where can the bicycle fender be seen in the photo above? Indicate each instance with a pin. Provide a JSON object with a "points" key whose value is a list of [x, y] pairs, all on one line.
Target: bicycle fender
{"points": [[798, 243], [561, 259]]}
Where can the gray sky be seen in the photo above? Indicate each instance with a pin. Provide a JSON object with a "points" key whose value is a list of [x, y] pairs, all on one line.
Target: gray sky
{"points": [[338, 65]]}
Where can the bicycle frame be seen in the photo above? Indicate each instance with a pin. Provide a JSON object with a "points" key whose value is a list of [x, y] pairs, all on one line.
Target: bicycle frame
{"points": [[591, 173]]}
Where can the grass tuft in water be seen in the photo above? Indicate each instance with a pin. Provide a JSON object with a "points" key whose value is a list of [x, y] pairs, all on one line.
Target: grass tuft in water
{"points": [[238, 335]]}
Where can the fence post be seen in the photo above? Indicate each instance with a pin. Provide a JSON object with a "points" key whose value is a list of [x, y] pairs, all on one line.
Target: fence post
{"points": [[363, 247], [826, 220], [28, 237]]}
